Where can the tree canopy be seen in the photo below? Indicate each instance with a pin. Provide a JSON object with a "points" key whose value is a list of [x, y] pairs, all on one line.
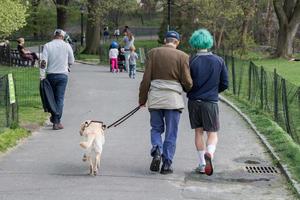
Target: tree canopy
{"points": [[12, 17]]}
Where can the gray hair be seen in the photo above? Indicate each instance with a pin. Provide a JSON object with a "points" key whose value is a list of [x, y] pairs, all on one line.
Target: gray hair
{"points": [[171, 40]]}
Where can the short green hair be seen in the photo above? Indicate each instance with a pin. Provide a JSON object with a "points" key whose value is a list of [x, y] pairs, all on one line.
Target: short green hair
{"points": [[201, 39]]}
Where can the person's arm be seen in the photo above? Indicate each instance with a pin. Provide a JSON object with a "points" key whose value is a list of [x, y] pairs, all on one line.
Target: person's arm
{"points": [[223, 85], [110, 53], [21, 49], [44, 63], [145, 84], [185, 77], [71, 58]]}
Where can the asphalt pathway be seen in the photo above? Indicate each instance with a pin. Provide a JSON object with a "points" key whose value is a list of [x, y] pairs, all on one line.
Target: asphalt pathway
{"points": [[48, 165]]}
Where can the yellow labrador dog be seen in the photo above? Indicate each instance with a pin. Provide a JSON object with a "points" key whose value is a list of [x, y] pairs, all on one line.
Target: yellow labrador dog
{"points": [[93, 132]]}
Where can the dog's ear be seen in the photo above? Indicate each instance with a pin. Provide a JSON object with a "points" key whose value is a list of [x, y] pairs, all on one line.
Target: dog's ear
{"points": [[82, 126], [87, 122], [103, 127]]}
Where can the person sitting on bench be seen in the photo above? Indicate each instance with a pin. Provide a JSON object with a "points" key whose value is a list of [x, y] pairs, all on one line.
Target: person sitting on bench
{"points": [[24, 53]]}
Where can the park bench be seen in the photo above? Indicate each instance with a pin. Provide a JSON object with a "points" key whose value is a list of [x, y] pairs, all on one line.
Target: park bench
{"points": [[18, 60], [12, 57]]}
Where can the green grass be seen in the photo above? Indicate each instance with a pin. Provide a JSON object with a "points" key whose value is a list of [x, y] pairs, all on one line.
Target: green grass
{"points": [[31, 113], [284, 146], [289, 70], [10, 137]]}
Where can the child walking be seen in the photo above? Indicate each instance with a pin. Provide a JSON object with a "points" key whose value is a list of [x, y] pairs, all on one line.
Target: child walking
{"points": [[121, 59], [113, 56], [132, 62]]}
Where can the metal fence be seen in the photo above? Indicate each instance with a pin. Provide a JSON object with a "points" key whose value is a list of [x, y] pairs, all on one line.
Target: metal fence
{"points": [[8, 109], [267, 91]]}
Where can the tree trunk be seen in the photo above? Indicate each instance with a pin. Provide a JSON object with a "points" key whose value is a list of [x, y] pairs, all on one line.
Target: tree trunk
{"points": [[61, 13], [35, 4], [92, 29], [220, 38], [288, 14], [268, 24], [61, 17], [245, 27], [285, 41]]}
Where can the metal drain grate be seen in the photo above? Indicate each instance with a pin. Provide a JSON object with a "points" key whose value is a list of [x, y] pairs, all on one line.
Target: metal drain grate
{"points": [[261, 170]]}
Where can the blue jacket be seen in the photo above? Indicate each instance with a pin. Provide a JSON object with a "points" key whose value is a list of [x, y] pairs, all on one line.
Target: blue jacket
{"points": [[210, 77]]}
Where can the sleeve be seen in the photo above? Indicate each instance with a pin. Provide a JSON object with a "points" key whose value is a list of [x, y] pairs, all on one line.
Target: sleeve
{"points": [[71, 58], [223, 85], [185, 75], [109, 53], [44, 62], [145, 84]]}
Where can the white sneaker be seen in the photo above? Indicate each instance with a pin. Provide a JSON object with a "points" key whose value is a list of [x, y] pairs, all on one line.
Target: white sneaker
{"points": [[200, 169]]}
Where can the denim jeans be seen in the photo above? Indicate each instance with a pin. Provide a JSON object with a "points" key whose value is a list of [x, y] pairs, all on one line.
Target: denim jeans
{"points": [[161, 119], [58, 83], [132, 71]]}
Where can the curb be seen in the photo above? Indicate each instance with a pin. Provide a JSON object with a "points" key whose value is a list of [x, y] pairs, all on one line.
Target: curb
{"points": [[87, 63], [283, 167]]}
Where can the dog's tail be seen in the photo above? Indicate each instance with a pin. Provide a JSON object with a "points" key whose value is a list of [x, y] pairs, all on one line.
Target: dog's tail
{"points": [[89, 142]]}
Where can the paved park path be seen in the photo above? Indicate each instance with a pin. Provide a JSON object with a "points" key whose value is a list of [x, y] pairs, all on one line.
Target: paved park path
{"points": [[48, 165]]}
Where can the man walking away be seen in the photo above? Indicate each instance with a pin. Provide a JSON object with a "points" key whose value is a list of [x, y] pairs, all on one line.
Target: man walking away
{"points": [[166, 75], [210, 77], [56, 58]]}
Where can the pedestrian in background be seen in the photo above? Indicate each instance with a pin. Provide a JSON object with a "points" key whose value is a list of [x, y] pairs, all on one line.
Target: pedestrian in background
{"points": [[210, 77], [56, 57], [113, 56], [132, 62], [165, 78], [128, 42], [25, 53]]}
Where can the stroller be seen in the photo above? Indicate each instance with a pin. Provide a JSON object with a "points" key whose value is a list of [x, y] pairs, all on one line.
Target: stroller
{"points": [[121, 60]]}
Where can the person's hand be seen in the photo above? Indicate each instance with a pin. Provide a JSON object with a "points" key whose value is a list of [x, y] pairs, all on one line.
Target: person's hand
{"points": [[43, 64], [42, 78], [142, 105]]}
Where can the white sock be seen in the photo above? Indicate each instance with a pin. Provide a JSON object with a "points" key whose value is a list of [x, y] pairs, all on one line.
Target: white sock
{"points": [[211, 149], [201, 157]]}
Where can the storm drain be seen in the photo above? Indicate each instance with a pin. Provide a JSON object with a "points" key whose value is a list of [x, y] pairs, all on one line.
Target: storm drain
{"points": [[262, 170]]}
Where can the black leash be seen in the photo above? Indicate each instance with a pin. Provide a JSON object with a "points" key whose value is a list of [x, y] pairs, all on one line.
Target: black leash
{"points": [[124, 118]]}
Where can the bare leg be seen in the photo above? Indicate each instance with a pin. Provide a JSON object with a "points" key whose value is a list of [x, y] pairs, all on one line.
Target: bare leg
{"points": [[212, 140], [199, 139]]}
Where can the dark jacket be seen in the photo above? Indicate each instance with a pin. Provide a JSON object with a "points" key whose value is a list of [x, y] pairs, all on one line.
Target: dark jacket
{"points": [[47, 97], [210, 77]]}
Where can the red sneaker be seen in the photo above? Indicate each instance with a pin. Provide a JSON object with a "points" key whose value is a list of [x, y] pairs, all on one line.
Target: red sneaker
{"points": [[209, 169]]}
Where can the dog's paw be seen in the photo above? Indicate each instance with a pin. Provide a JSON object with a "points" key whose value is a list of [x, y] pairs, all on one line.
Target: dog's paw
{"points": [[83, 145], [91, 171], [84, 158], [95, 173]]}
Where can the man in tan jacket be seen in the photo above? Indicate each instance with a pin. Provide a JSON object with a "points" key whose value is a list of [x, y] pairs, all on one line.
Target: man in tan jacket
{"points": [[166, 76]]}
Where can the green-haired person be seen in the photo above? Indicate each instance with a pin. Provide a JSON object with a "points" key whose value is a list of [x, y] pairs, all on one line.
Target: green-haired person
{"points": [[210, 77]]}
